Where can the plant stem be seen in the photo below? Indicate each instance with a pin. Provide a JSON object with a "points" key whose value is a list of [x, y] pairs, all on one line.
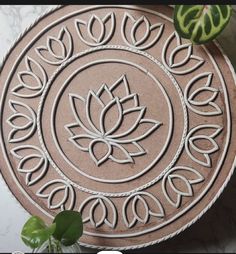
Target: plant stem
{"points": [[50, 245], [58, 247]]}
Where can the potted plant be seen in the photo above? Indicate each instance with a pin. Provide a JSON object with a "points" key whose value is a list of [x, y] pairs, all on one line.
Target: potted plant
{"points": [[59, 237]]}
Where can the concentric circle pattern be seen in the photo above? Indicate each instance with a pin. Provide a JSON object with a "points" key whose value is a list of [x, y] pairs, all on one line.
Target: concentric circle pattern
{"points": [[107, 111]]}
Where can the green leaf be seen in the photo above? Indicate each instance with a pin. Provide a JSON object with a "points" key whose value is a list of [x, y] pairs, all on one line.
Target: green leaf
{"points": [[201, 23], [69, 227], [35, 232]]}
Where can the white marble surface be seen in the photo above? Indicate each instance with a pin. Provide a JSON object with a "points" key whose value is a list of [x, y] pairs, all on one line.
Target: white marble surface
{"points": [[215, 232]]}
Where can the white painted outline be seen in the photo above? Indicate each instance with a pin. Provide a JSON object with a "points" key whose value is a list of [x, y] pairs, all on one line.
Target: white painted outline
{"points": [[188, 183], [106, 136], [68, 191], [189, 99], [66, 53], [40, 80], [206, 153], [149, 28], [30, 126], [102, 201], [111, 47], [138, 195], [227, 109], [179, 47], [100, 40], [29, 172]]}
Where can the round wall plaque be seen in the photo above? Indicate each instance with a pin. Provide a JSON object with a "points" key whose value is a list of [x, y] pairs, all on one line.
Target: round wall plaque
{"points": [[107, 111]]}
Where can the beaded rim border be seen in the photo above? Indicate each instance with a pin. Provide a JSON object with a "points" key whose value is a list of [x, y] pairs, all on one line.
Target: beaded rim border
{"points": [[231, 68]]}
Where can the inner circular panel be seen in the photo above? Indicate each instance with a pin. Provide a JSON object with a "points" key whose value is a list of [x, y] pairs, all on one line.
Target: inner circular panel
{"points": [[80, 100]]}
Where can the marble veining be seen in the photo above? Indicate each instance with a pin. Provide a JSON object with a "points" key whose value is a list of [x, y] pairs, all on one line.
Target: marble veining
{"points": [[215, 232]]}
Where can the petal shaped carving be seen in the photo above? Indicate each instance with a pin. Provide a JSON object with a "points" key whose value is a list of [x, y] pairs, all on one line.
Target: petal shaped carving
{"points": [[31, 81], [145, 199], [90, 211], [191, 144], [174, 193], [150, 36], [52, 188], [206, 92], [32, 162], [187, 64]]}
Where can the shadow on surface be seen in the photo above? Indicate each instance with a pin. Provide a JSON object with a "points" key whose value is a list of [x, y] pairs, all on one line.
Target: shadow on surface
{"points": [[214, 232]]}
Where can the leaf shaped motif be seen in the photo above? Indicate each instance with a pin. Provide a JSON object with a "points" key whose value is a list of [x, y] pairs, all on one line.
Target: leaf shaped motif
{"points": [[186, 189], [30, 83], [144, 42], [78, 106], [125, 155], [183, 66], [58, 49], [132, 100], [81, 141], [105, 31], [212, 146], [115, 103], [106, 154], [93, 99], [36, 159], [137, 149], [143, 198], [122, 85], [49, 191], [92, 205], [208, 92], [151, 124], [14, 120], [185, 47]]}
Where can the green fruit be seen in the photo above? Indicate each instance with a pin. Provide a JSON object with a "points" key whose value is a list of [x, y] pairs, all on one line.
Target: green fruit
{"points": [[201, 23]]}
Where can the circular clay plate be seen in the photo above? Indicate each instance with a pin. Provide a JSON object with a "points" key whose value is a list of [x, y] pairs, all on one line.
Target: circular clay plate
{"points": [[107, 111]]}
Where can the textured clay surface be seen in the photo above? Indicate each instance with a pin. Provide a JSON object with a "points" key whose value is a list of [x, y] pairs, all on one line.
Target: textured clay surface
{"points": [[105, 110]]}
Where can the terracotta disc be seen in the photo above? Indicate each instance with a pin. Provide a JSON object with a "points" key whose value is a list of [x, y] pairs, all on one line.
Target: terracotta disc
{"points": [[105, 110]]}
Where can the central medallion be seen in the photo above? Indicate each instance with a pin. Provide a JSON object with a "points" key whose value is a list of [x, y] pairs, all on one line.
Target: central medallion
{"points": [[101, 135], [105, 124]]}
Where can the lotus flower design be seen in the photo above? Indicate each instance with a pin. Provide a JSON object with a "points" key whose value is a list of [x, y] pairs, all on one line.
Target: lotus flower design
{"points": [[110, 128], [150, 33], [101, 211], [58, 49], [104, 27]]}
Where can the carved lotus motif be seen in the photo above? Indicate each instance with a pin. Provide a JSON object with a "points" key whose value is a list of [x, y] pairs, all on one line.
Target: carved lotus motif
{"points": [[194, 100], [144, 200], [150, 33], [179, 60], [97, 30], [32, 163], [174, 193], [30, 84], [51, 192], [101, 211], [23, 122], [113, 132], [57, 49], [200, 146]]}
